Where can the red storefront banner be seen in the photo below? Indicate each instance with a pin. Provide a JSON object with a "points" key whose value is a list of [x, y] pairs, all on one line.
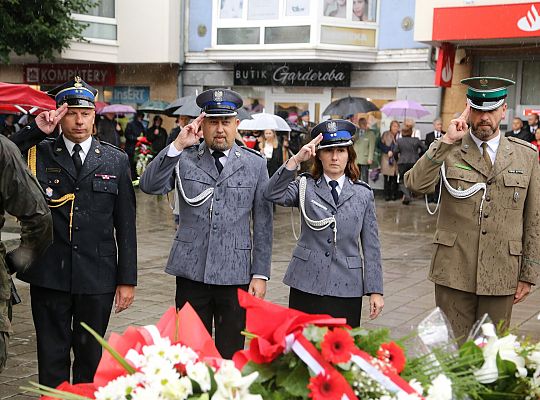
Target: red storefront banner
{"points": [[487, 22], [445, 65], [56, 74], [530, 111]]}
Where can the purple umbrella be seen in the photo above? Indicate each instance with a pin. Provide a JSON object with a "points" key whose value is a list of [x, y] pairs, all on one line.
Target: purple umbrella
{"points": [[404, 108], [118, 109]]}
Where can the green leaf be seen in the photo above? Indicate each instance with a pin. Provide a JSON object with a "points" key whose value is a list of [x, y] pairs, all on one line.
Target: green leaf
{"points": [[266, 371], [295, 381], [472, 353], [47, 391], [204, 396], [121, 360]]}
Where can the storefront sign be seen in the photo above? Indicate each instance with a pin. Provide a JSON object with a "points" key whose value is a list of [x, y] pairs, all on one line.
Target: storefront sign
{"points": [[487, 22], [445, 65], [292, 74], [56, 74], [348, 36], [130, 94], [531, 111]]}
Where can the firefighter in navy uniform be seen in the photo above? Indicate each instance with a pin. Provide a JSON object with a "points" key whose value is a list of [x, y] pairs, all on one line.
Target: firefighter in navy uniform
{"points": [[92, 261]]}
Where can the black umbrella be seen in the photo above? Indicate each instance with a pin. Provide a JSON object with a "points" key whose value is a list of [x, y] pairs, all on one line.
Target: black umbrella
{"points": [[175, 105], [349, 105]]}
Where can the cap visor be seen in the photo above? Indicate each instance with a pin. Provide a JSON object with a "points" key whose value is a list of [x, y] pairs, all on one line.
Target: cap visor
{"points": [[214, 114], [337, 144]]}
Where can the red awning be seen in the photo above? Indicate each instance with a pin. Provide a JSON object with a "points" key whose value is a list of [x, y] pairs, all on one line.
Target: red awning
{"points": [[16, 98]]}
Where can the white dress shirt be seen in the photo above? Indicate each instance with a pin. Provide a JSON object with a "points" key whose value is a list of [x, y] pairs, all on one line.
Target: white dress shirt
{"points": [[340, 181], [492, 146], [84, 145]]}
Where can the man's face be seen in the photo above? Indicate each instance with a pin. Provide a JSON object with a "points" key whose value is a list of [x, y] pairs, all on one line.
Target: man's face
{"points": [[517, 124], [78, 123], [485, 124], [219, 132], [533, 119], [183, 120], [437, 125], [362, 123]]}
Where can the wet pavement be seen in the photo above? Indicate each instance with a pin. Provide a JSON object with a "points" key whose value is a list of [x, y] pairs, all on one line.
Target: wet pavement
{"points": [[405, 233]]}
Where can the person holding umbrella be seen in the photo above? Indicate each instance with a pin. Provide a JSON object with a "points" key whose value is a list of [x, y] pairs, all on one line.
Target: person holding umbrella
{"points": [[327, 273]]}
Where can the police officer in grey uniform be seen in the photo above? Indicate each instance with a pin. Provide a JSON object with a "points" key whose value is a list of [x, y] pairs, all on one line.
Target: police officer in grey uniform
{"points": [[220, 191], [328, 273], [92, 261]]}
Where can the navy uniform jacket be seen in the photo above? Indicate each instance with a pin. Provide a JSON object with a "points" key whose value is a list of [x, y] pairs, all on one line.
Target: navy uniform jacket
{"points": [[319, 266], [217, 249], [102, 251]]}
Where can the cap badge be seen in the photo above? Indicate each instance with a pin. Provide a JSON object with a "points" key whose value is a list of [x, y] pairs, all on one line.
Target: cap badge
{"points": [[331, 127], [483, 82], [78, 81], [218, 95]]}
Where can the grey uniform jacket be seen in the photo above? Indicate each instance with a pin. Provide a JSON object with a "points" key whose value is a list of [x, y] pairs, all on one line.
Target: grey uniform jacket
{"points": [[319, 266], [213, 243]]}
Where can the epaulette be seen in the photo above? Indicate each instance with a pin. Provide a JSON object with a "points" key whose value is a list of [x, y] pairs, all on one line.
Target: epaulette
{"points": [[361, 183], [304, 174], [111, 145], [251, 151], [522, 142]]}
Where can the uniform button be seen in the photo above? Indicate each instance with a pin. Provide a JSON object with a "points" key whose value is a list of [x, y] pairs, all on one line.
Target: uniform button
{"points": [[77, 189], [214, 226], [484, 231], [217, 212], [486, 215], [488, 198], [333, 213], [332, 226], [327, 254], [329, 240], [218, 185], [490, 181], [75, 247], [105, 188], [217, 199], [76, 208], [77, 228]]}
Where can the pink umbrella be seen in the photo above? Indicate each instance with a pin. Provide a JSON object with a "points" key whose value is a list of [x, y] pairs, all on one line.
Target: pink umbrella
{"points": [[404, 108], [118, 109]]}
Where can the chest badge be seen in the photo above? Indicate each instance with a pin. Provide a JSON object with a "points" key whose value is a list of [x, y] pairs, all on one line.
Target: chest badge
{"points": [[49, 192]]}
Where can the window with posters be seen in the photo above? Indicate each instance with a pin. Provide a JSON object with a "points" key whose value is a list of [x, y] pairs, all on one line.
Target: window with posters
{"points": [[290, 22]]}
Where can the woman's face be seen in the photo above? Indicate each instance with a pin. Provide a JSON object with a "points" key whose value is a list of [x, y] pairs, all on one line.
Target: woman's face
{"points": [[359, 9], [269, 135], [334, 160], [394, 128]]}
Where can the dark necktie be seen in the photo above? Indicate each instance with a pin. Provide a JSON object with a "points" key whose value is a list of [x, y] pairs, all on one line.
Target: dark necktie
{"points": [[76, 157], [485, 155], [217, 155], [333, 185]]}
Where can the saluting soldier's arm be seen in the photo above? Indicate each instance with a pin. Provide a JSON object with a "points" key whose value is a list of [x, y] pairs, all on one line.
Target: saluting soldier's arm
{"points": [[282, 189], [23, 198], [158, 177], [424, 175], [28, 137]]}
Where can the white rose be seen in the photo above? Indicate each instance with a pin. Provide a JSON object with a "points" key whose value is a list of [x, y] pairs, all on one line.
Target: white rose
{"points": [[440, 389], [200, 374]]}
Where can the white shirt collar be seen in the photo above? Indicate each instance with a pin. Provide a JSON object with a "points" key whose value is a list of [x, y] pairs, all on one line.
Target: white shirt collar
{"points": [[493, 144], [340, 181], [84, 145]]}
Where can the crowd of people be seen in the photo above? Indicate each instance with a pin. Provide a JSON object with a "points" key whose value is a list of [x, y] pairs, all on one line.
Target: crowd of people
{"points": [[83, 204]]}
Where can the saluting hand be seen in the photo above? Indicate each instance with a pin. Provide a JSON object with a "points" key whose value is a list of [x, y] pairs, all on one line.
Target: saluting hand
{"points": [[306, 152], [190, 134], [48, 120], [458, 127]]}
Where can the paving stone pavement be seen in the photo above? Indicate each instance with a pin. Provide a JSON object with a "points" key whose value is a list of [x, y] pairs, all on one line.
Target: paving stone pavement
{"points": [[405, 233]]}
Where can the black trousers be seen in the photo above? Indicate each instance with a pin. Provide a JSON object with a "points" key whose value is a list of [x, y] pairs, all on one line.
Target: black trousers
{"points": [[57, 318], [217, 303], [338, 307], [390, 187]]}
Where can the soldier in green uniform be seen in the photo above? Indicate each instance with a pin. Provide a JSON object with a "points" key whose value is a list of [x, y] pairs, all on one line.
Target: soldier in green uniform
{"points": [[364, 146], [486, 245], [22, 197]]}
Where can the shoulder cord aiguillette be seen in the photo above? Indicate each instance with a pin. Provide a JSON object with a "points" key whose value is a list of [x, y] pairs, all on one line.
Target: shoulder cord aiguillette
{"points": [[312, 224], [198, 200]]}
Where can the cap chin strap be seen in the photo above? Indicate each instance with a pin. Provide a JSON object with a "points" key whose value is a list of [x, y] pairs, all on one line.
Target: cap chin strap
{"points": [[463, 194], [312, 224]]}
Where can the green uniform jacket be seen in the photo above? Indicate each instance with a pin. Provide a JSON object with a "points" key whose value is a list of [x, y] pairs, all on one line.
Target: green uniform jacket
{"points": [[21, 196], [484, 254], [364, 146]]}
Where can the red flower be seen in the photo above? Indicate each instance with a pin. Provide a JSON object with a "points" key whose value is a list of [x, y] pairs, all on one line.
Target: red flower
{"points": [[337, 346], [327, 386], [392, 354]]}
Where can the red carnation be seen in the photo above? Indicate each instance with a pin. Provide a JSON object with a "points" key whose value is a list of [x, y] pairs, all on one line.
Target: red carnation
{"points": [[327, 386], [337, 346], [392, 354]]}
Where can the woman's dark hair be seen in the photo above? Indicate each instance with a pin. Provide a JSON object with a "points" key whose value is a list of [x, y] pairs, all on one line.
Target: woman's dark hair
{"points": [[392, 123], [351, 169], [158, 118]]}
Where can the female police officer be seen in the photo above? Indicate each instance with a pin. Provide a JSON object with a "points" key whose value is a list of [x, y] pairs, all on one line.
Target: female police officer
{"points": [[327, 273]]}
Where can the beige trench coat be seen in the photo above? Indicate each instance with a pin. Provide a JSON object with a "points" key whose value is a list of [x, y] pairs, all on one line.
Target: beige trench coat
{"points": [[484, 254]]}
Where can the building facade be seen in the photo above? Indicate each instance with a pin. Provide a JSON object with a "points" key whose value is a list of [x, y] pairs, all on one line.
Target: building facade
{"points": [[495, 38], [298, 55]]}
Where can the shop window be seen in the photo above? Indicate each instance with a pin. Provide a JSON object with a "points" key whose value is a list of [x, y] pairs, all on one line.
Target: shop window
{"points": [[530, 84], [100, 31], [504, 69], [297, 8], [263, 9], [286, 34], [105, 8], [352, 10], [238, 36]]}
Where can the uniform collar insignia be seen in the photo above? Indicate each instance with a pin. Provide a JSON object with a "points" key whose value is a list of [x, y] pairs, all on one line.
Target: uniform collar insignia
{"points": [[201, 150], [237, 153]]}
